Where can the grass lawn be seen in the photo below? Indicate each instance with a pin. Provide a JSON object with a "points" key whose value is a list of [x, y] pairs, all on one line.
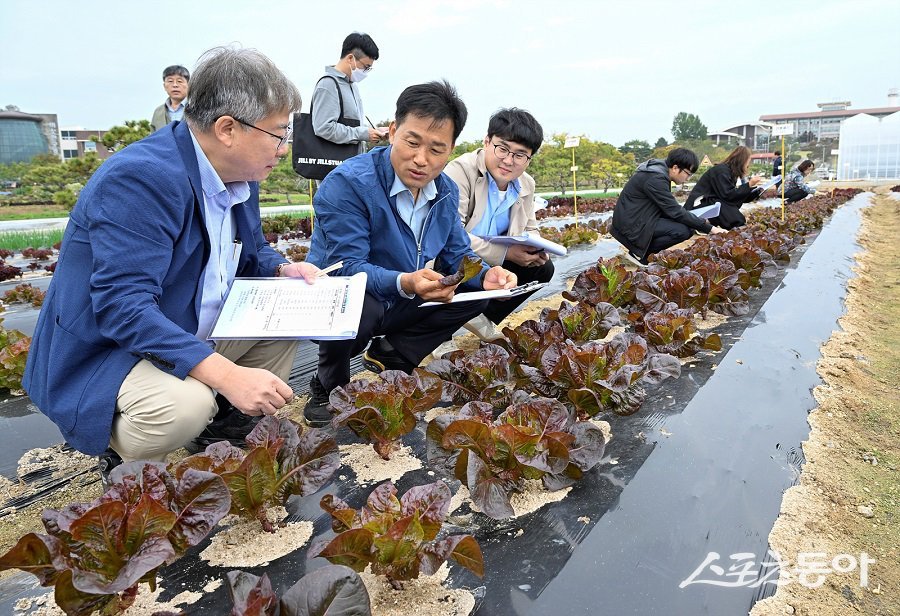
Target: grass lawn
{"points": [[27, 212]]}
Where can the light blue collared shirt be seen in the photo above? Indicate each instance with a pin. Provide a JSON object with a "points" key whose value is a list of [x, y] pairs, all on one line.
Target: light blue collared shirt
{"points": [[413, 214], [495, 220], [174, 115], [224, 248]]}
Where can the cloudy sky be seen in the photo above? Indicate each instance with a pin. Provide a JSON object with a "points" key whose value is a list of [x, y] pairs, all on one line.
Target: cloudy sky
{"points": [[613, 70]]}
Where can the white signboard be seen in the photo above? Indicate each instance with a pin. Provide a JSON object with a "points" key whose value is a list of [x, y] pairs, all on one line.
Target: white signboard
{"points": [[572, 142], [782, 129], [835, 152], [573, 168]]}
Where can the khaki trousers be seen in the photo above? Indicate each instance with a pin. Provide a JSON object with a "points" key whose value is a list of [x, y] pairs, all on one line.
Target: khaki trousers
{"points": [[156, 413]]}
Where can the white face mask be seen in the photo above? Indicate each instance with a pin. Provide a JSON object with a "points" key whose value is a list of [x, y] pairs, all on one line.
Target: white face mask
{"points": [[357, 74]]}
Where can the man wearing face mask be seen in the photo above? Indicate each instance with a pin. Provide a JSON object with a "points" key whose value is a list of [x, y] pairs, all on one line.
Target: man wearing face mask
{"points": [[358, 55]]}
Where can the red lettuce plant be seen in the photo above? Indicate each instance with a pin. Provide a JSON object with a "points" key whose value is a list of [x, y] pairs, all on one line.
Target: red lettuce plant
{"points": [[564, 206], [607, 282], [332, 590], [582, 322], [8, 272], [14, 346], [682, 286], [384, 409], [397, 537], [96, 555], [570, 235], [483, 375], [606, 376], [533, 439], [527, 341], [671, 330], [672, 259], [723, 293], [284, 459], [25, 294], [38, 254], [755, 263], [777, 245]]}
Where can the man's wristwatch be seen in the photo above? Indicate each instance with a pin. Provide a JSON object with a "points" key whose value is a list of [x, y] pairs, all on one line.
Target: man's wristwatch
{"points": [[280, 267]]}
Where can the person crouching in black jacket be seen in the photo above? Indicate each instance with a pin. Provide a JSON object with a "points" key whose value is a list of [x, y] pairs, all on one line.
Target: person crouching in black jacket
{"points": [[647, 218], [727, 183]]}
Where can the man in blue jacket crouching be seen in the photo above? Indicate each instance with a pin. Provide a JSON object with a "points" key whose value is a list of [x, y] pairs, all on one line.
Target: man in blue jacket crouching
{"points": [[387, 213]]}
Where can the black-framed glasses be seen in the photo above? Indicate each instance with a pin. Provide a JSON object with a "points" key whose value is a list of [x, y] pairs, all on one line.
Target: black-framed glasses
{"points": [[365, 68], [688, 171], [501, 152], [282, 139]]}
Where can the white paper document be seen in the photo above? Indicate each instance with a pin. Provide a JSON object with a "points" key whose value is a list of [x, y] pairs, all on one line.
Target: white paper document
{"points": [[769, 184], [528, 239], [289, 308], [709, 211], [472, 296]]}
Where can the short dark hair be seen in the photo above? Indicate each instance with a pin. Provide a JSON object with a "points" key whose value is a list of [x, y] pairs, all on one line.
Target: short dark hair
{"points": [[359, 42], [436, 100], [683, 158], [517, 125], [806, 164], [176, 69]]}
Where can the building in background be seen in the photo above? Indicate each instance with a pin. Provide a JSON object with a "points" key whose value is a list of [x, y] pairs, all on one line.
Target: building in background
{"points": [[75, 142], [870, 147], [754, 135], [826, 123], [26, 135]]}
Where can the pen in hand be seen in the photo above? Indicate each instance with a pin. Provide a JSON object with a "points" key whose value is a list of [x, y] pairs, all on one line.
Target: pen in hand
{"points": [[329, 269]]}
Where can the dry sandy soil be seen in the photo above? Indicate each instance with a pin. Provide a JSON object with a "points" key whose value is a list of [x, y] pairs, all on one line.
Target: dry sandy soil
{"points": [[848, 498]]}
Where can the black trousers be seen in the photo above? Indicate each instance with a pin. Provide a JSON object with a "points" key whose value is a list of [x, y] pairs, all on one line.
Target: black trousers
{"points": [[666, 234], [498, 310], [413, 332], [794, 194]]}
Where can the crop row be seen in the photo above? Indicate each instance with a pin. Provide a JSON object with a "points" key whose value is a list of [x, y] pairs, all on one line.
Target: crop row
{"points": [[521, 409]]}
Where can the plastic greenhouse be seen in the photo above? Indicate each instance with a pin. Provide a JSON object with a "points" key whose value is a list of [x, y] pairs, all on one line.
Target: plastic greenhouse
{"points": [[870, 147]]}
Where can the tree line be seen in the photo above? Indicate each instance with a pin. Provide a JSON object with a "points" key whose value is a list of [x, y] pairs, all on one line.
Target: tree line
{"points": [[601, 166]]}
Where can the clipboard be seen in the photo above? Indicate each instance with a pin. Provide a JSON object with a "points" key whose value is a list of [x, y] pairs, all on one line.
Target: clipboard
{"points": [[291, 309], [528, 239], [474, 296]]}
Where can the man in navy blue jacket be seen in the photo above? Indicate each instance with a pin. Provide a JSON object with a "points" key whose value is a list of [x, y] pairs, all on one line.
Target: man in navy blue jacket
{"points": [[388, 213], [120, 354]]}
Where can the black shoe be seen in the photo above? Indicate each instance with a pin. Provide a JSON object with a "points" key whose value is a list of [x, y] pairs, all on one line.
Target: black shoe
{"points": [[381, 356], [107, 461], [316, 410], [229, 425]]}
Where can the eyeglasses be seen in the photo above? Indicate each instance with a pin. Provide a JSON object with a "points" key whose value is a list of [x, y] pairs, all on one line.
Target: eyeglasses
{"points": [[501, 152], [688, 171], [282, 139], [365, 68]]}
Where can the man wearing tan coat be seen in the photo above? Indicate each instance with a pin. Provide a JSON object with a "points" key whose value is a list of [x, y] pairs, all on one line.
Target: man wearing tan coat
{"points": [[496, 197]]}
